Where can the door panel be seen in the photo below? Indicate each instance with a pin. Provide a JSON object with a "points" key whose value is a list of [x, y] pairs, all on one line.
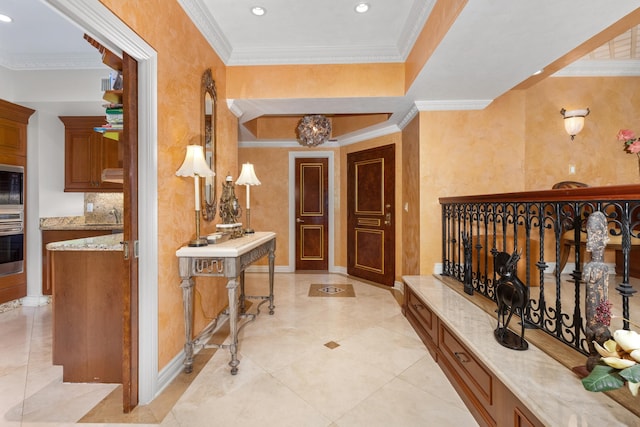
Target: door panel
{"points": [[370, 214], [312, 216], [130, 229]]}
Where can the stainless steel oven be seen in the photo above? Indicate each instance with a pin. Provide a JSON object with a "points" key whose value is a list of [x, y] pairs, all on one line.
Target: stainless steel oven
{"points": [[11, 219]]}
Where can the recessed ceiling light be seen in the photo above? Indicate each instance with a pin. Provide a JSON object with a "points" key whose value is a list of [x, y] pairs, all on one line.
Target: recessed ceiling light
{"points": [[362, 7], [258, 11], [5, 18]]}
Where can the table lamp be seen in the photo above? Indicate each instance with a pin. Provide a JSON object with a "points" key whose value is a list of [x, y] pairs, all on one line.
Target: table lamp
{"points": [[195, 165], [247, 178]]}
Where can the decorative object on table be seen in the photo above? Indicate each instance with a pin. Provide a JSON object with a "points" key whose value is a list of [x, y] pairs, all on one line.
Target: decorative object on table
{"points": [[194, 165], [229, 206], [248, 178], [619, 363], [596, 279], [466, 243], [631, 142], [574, 121], [313, 130], [511, 296]]}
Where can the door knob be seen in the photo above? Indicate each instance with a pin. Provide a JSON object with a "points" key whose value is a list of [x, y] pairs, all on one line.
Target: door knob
{"points": [[298, 220]]}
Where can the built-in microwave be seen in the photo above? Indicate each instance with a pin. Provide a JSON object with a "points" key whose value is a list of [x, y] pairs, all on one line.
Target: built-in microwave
{"points": [[11, 185]]}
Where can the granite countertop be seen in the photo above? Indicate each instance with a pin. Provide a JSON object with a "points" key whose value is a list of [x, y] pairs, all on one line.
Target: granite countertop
{"points": [[76, 223], [110, 242], [550, 390]]}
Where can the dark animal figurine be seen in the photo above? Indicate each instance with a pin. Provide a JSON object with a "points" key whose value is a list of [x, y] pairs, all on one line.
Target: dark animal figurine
{"points": [[511, 296]]}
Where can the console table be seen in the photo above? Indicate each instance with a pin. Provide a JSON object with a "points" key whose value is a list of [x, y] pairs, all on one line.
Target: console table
{"points": [[227, 259]]}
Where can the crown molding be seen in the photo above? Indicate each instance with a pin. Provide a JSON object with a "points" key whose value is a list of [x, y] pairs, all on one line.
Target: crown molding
{"points": [[452, 105], [51, 62], [284, 143], [595, 68], [410, 33], [413, 111], [353, 54], [199, 14], [234, 108]]}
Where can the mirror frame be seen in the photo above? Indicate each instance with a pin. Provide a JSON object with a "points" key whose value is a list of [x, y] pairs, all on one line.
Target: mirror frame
{"points": [[208, 132]]}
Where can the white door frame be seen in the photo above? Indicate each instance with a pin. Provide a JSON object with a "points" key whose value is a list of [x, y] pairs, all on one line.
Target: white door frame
{"points": [[101, 24]]}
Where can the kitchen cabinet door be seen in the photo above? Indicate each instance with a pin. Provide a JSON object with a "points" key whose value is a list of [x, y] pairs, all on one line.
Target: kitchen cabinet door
{"points": [[87, 154]]}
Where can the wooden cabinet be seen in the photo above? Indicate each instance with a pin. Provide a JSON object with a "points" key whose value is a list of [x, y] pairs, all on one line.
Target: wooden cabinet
{"points": [[490, 402], [88, 314], [49, 236], [13, 151], [424, 321], [87, 154]]}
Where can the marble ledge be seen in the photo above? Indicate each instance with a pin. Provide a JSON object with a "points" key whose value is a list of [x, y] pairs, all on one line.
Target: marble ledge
{"points": [[110, 242], [76, 223], [551, 391]]}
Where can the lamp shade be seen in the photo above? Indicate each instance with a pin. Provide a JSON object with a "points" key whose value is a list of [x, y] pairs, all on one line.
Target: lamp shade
{"points": [[574, 120], [194, 163], [248, 176]]}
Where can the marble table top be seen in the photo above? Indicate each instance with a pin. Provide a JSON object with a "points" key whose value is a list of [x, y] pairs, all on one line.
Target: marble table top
{"points": [[109, 242]]}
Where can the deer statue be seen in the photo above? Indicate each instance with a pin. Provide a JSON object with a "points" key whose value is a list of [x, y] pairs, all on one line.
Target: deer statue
{"points": [[511, 296]]}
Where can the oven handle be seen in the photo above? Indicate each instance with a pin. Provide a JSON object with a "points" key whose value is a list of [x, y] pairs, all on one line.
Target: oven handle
{"points": [[11, 231]]}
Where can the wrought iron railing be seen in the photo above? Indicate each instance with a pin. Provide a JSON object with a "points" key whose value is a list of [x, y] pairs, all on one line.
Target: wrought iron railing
{"points": [[539, 224]]}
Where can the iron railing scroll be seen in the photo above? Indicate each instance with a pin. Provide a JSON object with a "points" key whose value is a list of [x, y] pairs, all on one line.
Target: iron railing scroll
{"points": [[544, 226]]}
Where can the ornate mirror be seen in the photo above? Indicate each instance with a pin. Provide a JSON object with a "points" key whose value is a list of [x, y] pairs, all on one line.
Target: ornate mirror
{"points": [[209, 143]]}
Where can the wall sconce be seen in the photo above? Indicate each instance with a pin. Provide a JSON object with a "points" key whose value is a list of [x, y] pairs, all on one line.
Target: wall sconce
{"points": [[313, 130], [247, 178], [574, 121], [195, 165]]}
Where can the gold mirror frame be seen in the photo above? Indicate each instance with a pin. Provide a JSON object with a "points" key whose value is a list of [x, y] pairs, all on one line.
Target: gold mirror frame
{"points": [[208, 133]]}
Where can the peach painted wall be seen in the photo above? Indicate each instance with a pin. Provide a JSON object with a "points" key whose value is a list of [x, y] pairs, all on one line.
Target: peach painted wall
{"points": [[464, 153], [183, 55], [316, 81], [598, 157], [270, 200], [410, 247]]}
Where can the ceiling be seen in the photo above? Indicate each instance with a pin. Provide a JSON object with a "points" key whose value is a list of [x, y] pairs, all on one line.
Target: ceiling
{"points": [[492, 46]]}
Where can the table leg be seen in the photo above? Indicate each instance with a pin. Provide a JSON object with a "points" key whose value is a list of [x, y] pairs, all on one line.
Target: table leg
{"points": [[232, 288], [187, 302], [243, 308], [272, 257]]}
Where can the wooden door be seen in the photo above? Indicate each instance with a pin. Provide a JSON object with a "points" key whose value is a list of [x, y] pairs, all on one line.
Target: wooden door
{"points": [[312, 214], [130, 226], [371, 214]]}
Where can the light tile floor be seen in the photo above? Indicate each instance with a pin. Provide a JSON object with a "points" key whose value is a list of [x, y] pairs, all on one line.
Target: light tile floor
{"points": [[379, 375]]}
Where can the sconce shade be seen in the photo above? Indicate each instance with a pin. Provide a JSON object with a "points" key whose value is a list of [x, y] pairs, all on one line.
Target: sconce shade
{"points": [[313, 130], [248, 176], [194, 163], [574, 120]]}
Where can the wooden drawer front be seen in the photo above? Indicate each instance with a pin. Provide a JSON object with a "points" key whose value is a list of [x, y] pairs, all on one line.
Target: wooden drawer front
{"points": [[469, 369], [423, 315]]}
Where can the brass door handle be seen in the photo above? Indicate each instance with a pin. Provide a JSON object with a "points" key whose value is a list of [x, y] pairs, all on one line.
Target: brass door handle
{"points": [[298, 220]]}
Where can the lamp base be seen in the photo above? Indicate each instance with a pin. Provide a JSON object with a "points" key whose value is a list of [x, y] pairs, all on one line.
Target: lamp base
{"points": [[198, 242], [249, 231]]}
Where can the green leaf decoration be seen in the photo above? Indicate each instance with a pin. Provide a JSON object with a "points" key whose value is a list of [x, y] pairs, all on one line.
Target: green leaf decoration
{"points": [[603, 378], [631, 374]]}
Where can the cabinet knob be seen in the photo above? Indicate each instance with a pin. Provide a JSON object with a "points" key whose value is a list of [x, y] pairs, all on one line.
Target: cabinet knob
{"points": [[461, 356]]}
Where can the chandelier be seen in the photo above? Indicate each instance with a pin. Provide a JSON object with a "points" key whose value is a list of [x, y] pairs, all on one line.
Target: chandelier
{"points": [[313, 130]]}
